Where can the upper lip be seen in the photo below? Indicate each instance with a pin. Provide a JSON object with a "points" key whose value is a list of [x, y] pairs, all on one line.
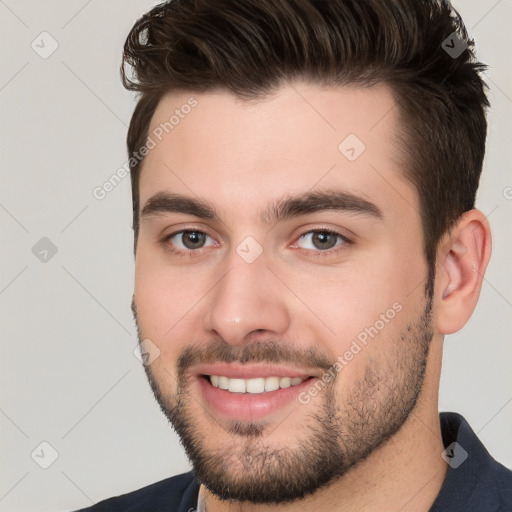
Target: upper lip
{"points": [[251, 371]]}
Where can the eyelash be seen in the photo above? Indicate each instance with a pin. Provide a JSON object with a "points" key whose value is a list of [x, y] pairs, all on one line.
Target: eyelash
{"points": [[328, 252], [310, 252]]}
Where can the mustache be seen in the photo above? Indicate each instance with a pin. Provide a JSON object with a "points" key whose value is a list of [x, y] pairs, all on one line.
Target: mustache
{"points": [[268, 351]]}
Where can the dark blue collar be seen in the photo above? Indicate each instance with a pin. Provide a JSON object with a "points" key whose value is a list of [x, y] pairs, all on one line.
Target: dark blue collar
{"points": [[474, 482]]}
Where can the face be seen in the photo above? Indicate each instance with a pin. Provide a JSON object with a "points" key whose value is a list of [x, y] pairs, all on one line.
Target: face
{"points": [[280, 283]]}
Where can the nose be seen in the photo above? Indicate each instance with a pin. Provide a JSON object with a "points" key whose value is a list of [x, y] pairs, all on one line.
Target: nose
{"points": [[246, 301]]}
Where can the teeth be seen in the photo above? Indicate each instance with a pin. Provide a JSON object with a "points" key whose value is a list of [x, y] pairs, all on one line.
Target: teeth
{"points": [[285, 382], [223, 382], [271, 383], [257, 385], [236, 386]]}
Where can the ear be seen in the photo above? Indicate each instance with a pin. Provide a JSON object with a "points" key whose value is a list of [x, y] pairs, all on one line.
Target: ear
{"points": [[462, 258]]}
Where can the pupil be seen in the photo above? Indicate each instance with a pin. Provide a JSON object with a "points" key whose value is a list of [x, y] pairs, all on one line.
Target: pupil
{"points": [[324, 240], [193, 239]]}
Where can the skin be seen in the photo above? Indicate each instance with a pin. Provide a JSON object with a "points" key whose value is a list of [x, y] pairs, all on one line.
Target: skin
{"points": [[241, 157]]}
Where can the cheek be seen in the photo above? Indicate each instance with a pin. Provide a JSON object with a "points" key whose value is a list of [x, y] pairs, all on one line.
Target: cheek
{"points": [[166, 300], [366, 298]]}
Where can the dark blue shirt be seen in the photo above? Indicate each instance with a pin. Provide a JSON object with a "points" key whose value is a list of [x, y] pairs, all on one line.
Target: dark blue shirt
{"points": [[474, 482]]}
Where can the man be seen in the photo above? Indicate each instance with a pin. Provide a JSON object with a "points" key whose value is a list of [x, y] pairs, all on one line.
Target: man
{"points": [[305, 236]]}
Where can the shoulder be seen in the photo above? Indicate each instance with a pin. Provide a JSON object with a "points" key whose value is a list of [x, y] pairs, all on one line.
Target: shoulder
{"points": [[177, 493], [475, 481]]}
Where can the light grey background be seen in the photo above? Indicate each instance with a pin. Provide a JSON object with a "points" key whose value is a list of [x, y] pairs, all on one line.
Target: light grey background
{"points": [[68, 373]]}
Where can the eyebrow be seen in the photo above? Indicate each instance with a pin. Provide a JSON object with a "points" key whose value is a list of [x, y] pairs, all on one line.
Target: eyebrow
{"points": [[165, 202], [312, 202], [289, 207]]}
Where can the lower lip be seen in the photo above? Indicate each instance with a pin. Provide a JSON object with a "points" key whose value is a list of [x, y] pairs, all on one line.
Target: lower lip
{"points": [[250, 406]]}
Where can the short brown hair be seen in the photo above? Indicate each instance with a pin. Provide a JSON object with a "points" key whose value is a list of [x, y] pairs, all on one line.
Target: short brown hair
{"points": [[251, 47]]}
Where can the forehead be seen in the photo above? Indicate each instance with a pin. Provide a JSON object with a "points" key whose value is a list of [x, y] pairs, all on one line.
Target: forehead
{"points": [[242, 154]]}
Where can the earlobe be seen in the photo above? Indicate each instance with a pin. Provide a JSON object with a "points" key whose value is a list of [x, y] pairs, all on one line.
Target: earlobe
{"points": [[462, 261]]}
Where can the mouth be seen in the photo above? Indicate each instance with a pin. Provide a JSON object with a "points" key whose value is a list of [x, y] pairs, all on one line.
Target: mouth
{"points": [[251, 393], [255, 386]]}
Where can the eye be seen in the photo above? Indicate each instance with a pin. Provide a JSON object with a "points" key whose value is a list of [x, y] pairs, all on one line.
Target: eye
{"points": [[321, 240], [189, 240]]}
